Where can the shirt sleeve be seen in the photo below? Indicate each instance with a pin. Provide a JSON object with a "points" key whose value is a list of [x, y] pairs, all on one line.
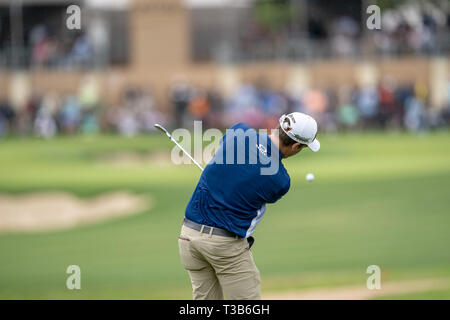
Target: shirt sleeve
{"points": [[284, 189], [275, 191]]}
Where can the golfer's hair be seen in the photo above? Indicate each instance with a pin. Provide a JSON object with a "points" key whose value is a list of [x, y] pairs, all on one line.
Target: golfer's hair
{"points": [[284, 138]]}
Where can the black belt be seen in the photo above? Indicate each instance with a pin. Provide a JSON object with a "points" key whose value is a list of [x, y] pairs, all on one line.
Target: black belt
{"points": [[206, 229]]}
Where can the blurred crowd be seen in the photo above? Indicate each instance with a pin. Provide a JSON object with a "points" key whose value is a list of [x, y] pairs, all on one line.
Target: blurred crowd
{"points": [[414, 28], [48, 50], [387, 105], [45, 115], [409, 27], [79, 50], [51, 46]]}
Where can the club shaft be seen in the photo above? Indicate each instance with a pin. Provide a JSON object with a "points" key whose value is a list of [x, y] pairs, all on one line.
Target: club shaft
{"points": [[182, 149], [179, 146]]}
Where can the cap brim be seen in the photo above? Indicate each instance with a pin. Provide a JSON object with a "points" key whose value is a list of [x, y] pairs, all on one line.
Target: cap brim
{"points": [[314, 146]]}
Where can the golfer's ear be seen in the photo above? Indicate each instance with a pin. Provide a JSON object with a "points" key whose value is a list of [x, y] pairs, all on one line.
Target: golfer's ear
{"points": [[296, 146]]}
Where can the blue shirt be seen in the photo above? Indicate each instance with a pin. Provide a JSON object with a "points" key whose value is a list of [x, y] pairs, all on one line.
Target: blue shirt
{"points": [[235, 185]]}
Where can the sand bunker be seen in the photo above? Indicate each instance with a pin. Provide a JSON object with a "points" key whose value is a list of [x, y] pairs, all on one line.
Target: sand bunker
{"points": [[59, 210], [127, 159], [361, 292]]}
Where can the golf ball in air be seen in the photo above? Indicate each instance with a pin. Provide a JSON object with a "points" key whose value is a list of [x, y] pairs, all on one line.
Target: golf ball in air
{"points": [[309, 177]]}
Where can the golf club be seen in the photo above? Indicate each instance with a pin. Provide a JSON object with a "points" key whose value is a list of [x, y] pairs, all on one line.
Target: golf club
{"points": [[162, 129]]}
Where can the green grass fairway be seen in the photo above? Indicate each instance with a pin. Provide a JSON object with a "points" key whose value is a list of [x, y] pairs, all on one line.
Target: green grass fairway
{"points": [[378, 198]]}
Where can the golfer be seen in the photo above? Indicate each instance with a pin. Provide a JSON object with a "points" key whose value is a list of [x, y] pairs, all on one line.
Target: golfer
{"points": [[245, 173]]}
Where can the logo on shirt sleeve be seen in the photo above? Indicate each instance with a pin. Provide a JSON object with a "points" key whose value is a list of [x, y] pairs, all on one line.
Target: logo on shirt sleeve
{"points": [[262, 149]]}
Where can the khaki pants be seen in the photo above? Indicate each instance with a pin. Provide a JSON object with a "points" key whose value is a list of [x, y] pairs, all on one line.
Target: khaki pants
{"points": [[219, 265]]}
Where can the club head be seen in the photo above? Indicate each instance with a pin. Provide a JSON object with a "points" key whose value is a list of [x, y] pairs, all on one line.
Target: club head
{"points": [[161, 128]]}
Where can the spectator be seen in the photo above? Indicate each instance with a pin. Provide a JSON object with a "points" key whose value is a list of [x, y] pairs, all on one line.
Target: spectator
{"points": [[7, 116], [199, 105], [180, 96], [414, 119], [81, 53], [70, 114], [44, 124], [367, 104], [386, 98], [146, 112]]}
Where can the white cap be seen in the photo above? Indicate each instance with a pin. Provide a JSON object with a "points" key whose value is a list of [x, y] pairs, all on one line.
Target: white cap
{"points": [[301, 128]]}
